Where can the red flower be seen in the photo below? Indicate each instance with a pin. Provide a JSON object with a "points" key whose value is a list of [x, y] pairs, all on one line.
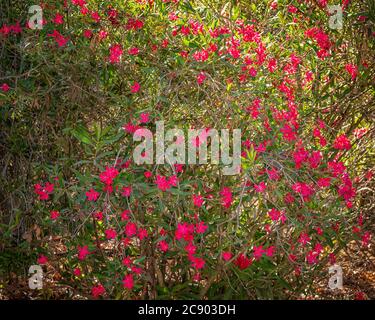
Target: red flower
{"points": [[324, 182], [126, 191], [227, 255], [148, 174], [98, 215], [54, 215], [352, 70], [61, 41], [4, 87], [42, 259], [288, 133], [190, 248], [163, 245], [58, 19], [201, 77], [87, 34], [366, 239], [127, 261], [304, 238], [130, 229], [115, 53], [360, 296], [226, 197], [292, 9], [270, 251], [95, 16], [312, 257], [197, 200], [197, 263], [142, 233], [200, 227], [128, 281], [303, 189], [125, 215], [342, 143], [80, 3], [133, 51], [110, 234], [83, 252], [163, 183], [103, 34], [77, 272], [184, 231], [108, 175], [300, 156], [92, 195], [261, 187], [258, 252], [144, 117], [274, 214], [44, 192], [97, 291], [135, 87], [242, 261], [315, 159]]}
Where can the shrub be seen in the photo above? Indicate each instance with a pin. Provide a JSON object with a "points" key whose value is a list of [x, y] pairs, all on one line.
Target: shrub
{"points": [[95, 73]]}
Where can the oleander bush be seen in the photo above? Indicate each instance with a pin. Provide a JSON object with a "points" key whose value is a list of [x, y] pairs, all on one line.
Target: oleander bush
{"points": [[73, 94]]}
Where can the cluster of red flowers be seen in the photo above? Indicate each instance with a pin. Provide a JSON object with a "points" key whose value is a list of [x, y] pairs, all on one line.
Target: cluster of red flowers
{"points": [[44, 191]]}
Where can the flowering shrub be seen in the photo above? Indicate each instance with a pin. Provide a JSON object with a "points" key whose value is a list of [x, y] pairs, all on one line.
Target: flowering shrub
{"points": [[272, 69]]}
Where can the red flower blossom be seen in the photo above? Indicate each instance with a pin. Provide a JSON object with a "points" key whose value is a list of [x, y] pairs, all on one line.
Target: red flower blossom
{"points": [[352, 70], [42, 259], [135, 87], [97, 291], [115, 53], [128, 281], [127, 261], [303, 189], [108, 175], [133, 51], [58, 19], [4, 87], [258, 252], [44, 192], [144, 117], [130, 229], [77, 272], [110, 234], [288, 133], [242, 261], [87, 34], [83, 252], [163, 245], [226, 197], [197, 200], [92, 195], [197, 263], [126, 191], [227, 255], [59, 38], [184, 231], [261, 187], [342, 143], [200, 227], [201, 77], [54, 215], [142, 233]]}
